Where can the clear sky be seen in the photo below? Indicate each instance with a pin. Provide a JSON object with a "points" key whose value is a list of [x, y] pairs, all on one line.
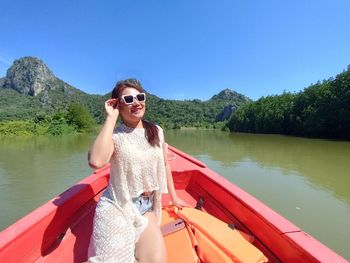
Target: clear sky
{"points": [[181, 49]]}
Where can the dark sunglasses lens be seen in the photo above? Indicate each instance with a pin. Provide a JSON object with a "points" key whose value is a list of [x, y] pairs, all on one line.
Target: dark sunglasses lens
{"points": [[129, 99], [141, 97]]}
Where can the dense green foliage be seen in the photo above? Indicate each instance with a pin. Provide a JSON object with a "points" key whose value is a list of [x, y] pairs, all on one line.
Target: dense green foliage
{"points": [[188, 113], [16, 106], [168, 113], [79, 117], [67, 110], [76, 119], [321, 110]]}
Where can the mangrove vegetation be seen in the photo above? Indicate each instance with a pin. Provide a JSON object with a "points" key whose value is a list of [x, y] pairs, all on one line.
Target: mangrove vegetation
{"points": [[321, 110]]}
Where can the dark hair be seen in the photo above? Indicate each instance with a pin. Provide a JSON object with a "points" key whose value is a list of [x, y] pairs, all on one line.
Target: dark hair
{"points": [[123, 84], [150, 128]]}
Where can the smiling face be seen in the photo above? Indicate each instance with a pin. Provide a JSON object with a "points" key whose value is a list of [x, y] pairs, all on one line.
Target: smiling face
{"points": [[131, 113]]}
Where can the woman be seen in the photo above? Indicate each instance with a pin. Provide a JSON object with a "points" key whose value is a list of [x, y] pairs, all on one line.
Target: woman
{"points": [[126, 224]]}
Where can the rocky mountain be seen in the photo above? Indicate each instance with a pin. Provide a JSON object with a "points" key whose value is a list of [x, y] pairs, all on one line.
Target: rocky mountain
{"points": [[228, 95], [30, 87], [229, 100], [29, 75], [2, 82], [226, 113]]}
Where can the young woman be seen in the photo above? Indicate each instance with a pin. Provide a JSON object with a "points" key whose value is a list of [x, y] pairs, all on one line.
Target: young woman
{"points": [[127, 218]]}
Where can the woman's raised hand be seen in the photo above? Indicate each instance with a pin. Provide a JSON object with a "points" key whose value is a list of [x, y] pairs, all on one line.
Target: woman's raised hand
{"points": [[111, 108]]}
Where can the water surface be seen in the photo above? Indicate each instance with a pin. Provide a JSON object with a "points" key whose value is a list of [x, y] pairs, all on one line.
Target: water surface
{"points": [[34, 170]]}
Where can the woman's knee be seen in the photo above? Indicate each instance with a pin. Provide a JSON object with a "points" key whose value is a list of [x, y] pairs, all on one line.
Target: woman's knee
{"points": [[152, 256], [151, 247], [158, 257]]}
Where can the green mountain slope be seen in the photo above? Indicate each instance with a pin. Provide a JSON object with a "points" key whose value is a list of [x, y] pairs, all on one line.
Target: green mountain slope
{"points": [[30, 87]]}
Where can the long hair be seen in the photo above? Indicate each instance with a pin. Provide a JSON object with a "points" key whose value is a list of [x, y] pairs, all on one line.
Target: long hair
{"points": [[151, 129]]}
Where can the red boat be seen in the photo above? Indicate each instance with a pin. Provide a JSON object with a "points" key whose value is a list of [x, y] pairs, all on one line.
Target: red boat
{"points": [[232, 226]]}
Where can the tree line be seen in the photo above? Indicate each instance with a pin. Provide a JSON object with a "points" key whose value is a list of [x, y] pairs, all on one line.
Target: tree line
{"points": [[75, 119], [321, 110], [173, 114]]}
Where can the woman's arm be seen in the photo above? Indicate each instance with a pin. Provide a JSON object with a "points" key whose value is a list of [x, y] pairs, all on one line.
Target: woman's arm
{"points": [[103, 147], [170, 183]]}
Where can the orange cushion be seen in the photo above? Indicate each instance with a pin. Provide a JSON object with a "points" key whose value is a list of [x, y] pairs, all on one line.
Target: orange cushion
{"points": [[217, 242], [178, 244]]}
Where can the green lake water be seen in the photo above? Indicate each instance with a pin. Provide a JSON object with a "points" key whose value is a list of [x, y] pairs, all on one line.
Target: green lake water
{"points": [[305, 180]]}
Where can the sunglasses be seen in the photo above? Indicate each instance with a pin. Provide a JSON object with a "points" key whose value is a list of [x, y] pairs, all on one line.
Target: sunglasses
{"points": [[129, 99]]}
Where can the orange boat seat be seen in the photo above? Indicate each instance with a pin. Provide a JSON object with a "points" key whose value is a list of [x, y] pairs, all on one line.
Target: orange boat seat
{"points": [[211, 239], [180, 247]]}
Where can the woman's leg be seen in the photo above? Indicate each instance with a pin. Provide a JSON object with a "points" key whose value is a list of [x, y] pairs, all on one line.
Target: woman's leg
{"points": [[150, 247], [113, 237]]}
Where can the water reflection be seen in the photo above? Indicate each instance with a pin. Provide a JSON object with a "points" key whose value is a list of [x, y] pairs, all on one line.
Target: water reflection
{"points": [[33, 170], [323, 163]]}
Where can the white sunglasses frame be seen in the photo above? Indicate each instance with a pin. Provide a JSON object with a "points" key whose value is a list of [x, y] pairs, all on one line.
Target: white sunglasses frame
{"points": [[133, 98]]}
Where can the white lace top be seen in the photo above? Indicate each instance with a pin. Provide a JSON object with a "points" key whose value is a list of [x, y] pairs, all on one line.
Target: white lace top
{"points": [[136, 167]]}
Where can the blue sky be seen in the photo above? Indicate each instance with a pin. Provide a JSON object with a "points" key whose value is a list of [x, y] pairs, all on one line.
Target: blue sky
{"points": [[181, 49]]}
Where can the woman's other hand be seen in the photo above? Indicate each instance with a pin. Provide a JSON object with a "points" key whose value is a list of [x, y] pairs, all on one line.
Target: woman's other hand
{"points": [[111, 108], [179, 202]]}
